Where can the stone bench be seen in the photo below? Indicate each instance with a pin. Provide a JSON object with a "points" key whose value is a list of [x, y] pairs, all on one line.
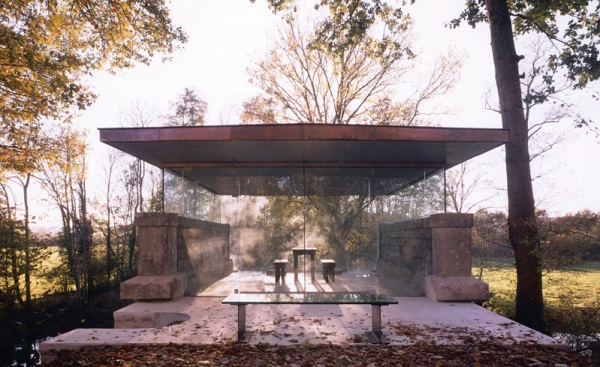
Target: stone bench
{"points": [[241, 300], [328, 270], [280, 270]]}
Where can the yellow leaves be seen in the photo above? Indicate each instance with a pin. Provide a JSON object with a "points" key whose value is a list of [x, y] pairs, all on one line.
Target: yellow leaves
{"points": [[47, 48], [55, 21]]}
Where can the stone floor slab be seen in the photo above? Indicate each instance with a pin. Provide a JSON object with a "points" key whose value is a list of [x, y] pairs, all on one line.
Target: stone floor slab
{"points": [[412, 320]]}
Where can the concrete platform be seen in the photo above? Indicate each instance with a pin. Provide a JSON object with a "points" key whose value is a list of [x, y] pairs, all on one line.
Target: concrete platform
{"points": [[412, 320], [202, 319]]}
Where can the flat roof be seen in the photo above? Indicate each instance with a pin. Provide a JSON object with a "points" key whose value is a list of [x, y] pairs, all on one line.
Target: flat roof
{"points": [[217, 156]]}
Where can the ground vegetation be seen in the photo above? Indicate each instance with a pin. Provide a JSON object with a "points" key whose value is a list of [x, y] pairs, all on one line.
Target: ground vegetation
{"points": [[569, 252]]}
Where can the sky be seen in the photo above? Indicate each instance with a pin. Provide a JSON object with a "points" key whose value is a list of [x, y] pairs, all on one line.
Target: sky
{"points": [[226, 35]]}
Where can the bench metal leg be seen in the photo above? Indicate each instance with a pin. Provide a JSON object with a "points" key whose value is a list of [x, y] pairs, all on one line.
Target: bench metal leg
{"points": [[295, 267], [329, 272], [375, 336], [377, 320], [243, 334], [279, 273]]}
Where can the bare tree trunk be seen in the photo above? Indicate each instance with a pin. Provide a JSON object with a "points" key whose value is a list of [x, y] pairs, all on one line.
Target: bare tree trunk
{"points": [[108, 241], [522, 224], [27, 242], [85, 238]]}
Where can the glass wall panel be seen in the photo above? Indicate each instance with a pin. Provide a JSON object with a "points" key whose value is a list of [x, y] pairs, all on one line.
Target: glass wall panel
{"points": [[338, 222], [320, 213], [186, 197], [410, 200], [266, 222]]}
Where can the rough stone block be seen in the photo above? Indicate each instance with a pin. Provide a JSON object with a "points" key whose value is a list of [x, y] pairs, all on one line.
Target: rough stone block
{"points": [[440, 288], [156, 219], [451, 220], [154, 287], [451, 251], [156, 263], [158, 238], [157, 250], [135, 319]]}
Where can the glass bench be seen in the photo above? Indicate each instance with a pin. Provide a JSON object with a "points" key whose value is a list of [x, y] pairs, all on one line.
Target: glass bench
{"points": [[375, 300]]}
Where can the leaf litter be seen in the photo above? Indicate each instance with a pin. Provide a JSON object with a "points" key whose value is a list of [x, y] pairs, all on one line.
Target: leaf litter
{"points": [[476, 353]]}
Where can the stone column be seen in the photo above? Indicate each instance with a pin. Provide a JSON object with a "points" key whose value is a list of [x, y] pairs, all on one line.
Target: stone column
{"points": [[451, 278], [157, 278]]}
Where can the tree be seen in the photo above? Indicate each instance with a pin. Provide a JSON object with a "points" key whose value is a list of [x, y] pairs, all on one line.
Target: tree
{"points": [[370, 80], [543, 107], [20, 168], [463, 182], [106, 228], [577, 55], [339, 219], [188, 109], [569, 240], [280, 229], [303, 82], [49, 47], [490, 240], [133, 181], [11, 261], [63, 178]]}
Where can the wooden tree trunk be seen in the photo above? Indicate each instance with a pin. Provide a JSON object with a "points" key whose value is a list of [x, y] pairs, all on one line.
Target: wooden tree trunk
{"points": [[27, 243], [522, 225]]}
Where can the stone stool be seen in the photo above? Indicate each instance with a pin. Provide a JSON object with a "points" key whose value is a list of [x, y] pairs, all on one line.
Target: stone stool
{"points": [[280, 270], [328, 270]]}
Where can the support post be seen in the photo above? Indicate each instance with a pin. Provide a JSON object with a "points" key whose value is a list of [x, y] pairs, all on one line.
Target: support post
{"points": [[377, 320], [312, 266], [241, 321], [375, 336], [243, 334], [295, 266]]}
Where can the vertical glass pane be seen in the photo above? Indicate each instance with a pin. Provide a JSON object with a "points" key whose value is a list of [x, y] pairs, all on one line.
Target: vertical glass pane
{"points": [[265, 217], [329, 214], [173, 192], [338, 222], [185, 196]]}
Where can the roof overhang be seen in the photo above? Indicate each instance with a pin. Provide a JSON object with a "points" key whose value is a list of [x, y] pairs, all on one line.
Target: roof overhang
{"points": [[218, 156]]}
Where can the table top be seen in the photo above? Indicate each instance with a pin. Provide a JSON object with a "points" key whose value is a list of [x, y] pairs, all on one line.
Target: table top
{"points": [[304, 249], [309, 298]]}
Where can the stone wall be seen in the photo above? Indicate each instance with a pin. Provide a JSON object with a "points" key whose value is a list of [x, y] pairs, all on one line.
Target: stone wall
{"points": [[431, 256], [405, 255], [176, 256], [202, 252]]}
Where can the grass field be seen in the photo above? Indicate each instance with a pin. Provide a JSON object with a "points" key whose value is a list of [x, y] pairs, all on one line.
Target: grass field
{"points": [[39, 281], [580, 286]]}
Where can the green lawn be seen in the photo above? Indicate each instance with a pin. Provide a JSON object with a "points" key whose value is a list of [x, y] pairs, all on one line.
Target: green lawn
{"points": [[580, 285], [39, 281]]}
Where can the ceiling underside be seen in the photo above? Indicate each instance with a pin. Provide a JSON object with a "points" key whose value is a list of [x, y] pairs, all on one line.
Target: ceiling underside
{"points": [[307, 181], [303, 159]]}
